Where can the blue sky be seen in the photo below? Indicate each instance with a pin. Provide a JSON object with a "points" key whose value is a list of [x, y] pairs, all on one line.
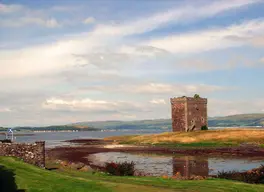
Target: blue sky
{"points": [[70, 61]]}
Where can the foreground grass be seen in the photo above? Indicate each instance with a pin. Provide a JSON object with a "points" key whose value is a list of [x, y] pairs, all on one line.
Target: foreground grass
{"points": [[210, 138], [33, 179]]}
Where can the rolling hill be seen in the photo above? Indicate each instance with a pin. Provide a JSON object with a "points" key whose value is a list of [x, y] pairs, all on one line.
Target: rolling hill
{"points": [[240, 120]]}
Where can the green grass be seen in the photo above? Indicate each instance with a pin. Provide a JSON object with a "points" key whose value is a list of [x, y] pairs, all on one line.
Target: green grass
{"points": [[33, 179], [186, 145], [198, 144]]}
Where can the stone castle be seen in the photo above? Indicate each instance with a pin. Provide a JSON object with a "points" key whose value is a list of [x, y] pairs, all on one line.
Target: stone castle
{"points": [[188, 113]]}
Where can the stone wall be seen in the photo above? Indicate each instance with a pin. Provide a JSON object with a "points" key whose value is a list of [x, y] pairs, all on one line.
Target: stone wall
{"points": [[178, 115], [33, 153], [197, 114], [188, 113]]}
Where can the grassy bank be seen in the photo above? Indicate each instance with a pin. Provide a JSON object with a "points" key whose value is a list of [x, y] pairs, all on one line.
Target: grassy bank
{"points": [[210, 138], [15, 174]]}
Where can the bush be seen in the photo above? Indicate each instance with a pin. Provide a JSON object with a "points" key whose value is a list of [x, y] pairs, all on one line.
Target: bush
{"points": [[204, 127], [251, 176], [120, 169]]}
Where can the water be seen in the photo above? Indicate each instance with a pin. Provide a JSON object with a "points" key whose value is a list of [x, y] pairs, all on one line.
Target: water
{"points": [[147, 163], [158, 165], [54, 139]]}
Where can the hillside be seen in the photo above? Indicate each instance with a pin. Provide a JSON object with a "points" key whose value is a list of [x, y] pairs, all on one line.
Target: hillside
{"points": [[241, 120], [254, 119], [227, 121], [58, 128]]}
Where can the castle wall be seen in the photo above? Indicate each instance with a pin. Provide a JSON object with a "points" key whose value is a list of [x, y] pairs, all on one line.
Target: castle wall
{"points": [[178, 115], [197, 114], [30, 153], [188, 113]]}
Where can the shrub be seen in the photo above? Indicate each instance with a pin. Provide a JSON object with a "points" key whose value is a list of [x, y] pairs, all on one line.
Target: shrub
{"points": [[6, 141], [120, 169], [251, 176], [204, 127]]}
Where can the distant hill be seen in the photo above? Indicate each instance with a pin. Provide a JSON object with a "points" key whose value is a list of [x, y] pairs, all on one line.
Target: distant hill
{"points": [[142, 124], [241, 120], [253, 119], [58, 128], [227, 121]]}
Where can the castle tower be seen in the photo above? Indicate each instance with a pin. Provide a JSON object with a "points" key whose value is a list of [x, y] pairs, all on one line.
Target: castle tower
{"points": [[188, 113]]}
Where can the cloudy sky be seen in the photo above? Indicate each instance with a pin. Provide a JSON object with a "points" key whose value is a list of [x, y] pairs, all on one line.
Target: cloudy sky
{"points": [[70, 61]]}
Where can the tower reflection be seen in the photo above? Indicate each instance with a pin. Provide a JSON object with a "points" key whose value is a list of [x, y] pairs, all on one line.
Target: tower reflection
{"points": [[190, 165]]}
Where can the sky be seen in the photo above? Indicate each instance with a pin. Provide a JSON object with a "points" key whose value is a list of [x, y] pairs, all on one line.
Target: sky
{"points": [[67, 61]]}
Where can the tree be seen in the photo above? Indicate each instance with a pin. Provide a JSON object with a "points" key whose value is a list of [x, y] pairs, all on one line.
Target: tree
{"points": [[196, 96]]}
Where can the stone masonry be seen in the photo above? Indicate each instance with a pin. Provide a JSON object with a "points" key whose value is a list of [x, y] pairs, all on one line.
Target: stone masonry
{"points": [[188, 113], [33, 153]]}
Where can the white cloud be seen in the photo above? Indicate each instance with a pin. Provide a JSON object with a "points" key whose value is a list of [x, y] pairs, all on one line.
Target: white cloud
{"points": [[60, 54], [200, 41], [19, 15], [89, 20], [56, 103], [223, 107], [257, 41], [149, 89], [7, 9], [23, 21], [106, 62], [52, 23], [158, 101], [4, 110], [90, 105], [177, 15], [179, 89]]}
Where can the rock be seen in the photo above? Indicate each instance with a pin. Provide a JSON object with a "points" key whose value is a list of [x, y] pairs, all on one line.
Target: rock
{"points": [[76, 166], [63, 163], [196, 177], [86, 168]]}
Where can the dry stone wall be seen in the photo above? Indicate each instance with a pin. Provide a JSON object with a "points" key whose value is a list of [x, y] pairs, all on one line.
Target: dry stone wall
{"points": [[33, 153]]}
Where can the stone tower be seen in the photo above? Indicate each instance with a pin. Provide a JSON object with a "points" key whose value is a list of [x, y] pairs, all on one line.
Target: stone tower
{"points": [[188, 113]]}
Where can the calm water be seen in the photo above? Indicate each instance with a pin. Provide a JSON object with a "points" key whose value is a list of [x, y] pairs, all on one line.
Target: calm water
{"points": [[56, 138], [147, 163], [158, 165]]}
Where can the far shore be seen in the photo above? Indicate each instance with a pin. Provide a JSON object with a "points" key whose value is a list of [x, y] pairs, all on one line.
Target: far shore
{"points": [[19, 134]]}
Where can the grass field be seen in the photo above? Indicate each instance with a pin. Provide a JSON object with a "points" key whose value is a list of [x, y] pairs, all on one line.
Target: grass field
{"points": [[210, 138], [15, 174]]}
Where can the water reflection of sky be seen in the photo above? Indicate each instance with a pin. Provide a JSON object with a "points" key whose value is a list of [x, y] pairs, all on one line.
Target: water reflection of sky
{"points": [[169, 165]]}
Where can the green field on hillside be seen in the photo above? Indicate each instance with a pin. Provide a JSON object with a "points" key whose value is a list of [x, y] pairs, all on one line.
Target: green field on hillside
{"points": [[15, 174]]}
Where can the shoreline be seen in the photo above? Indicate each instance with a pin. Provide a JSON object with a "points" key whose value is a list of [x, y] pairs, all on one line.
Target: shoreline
{"points": [[79, 153]]}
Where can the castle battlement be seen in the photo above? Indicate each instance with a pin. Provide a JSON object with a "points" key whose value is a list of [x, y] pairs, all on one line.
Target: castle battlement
{"points": [[186, 99]]}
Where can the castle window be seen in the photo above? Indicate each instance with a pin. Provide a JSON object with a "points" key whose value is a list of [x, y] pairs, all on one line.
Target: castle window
{"points": [[202, 119]]}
